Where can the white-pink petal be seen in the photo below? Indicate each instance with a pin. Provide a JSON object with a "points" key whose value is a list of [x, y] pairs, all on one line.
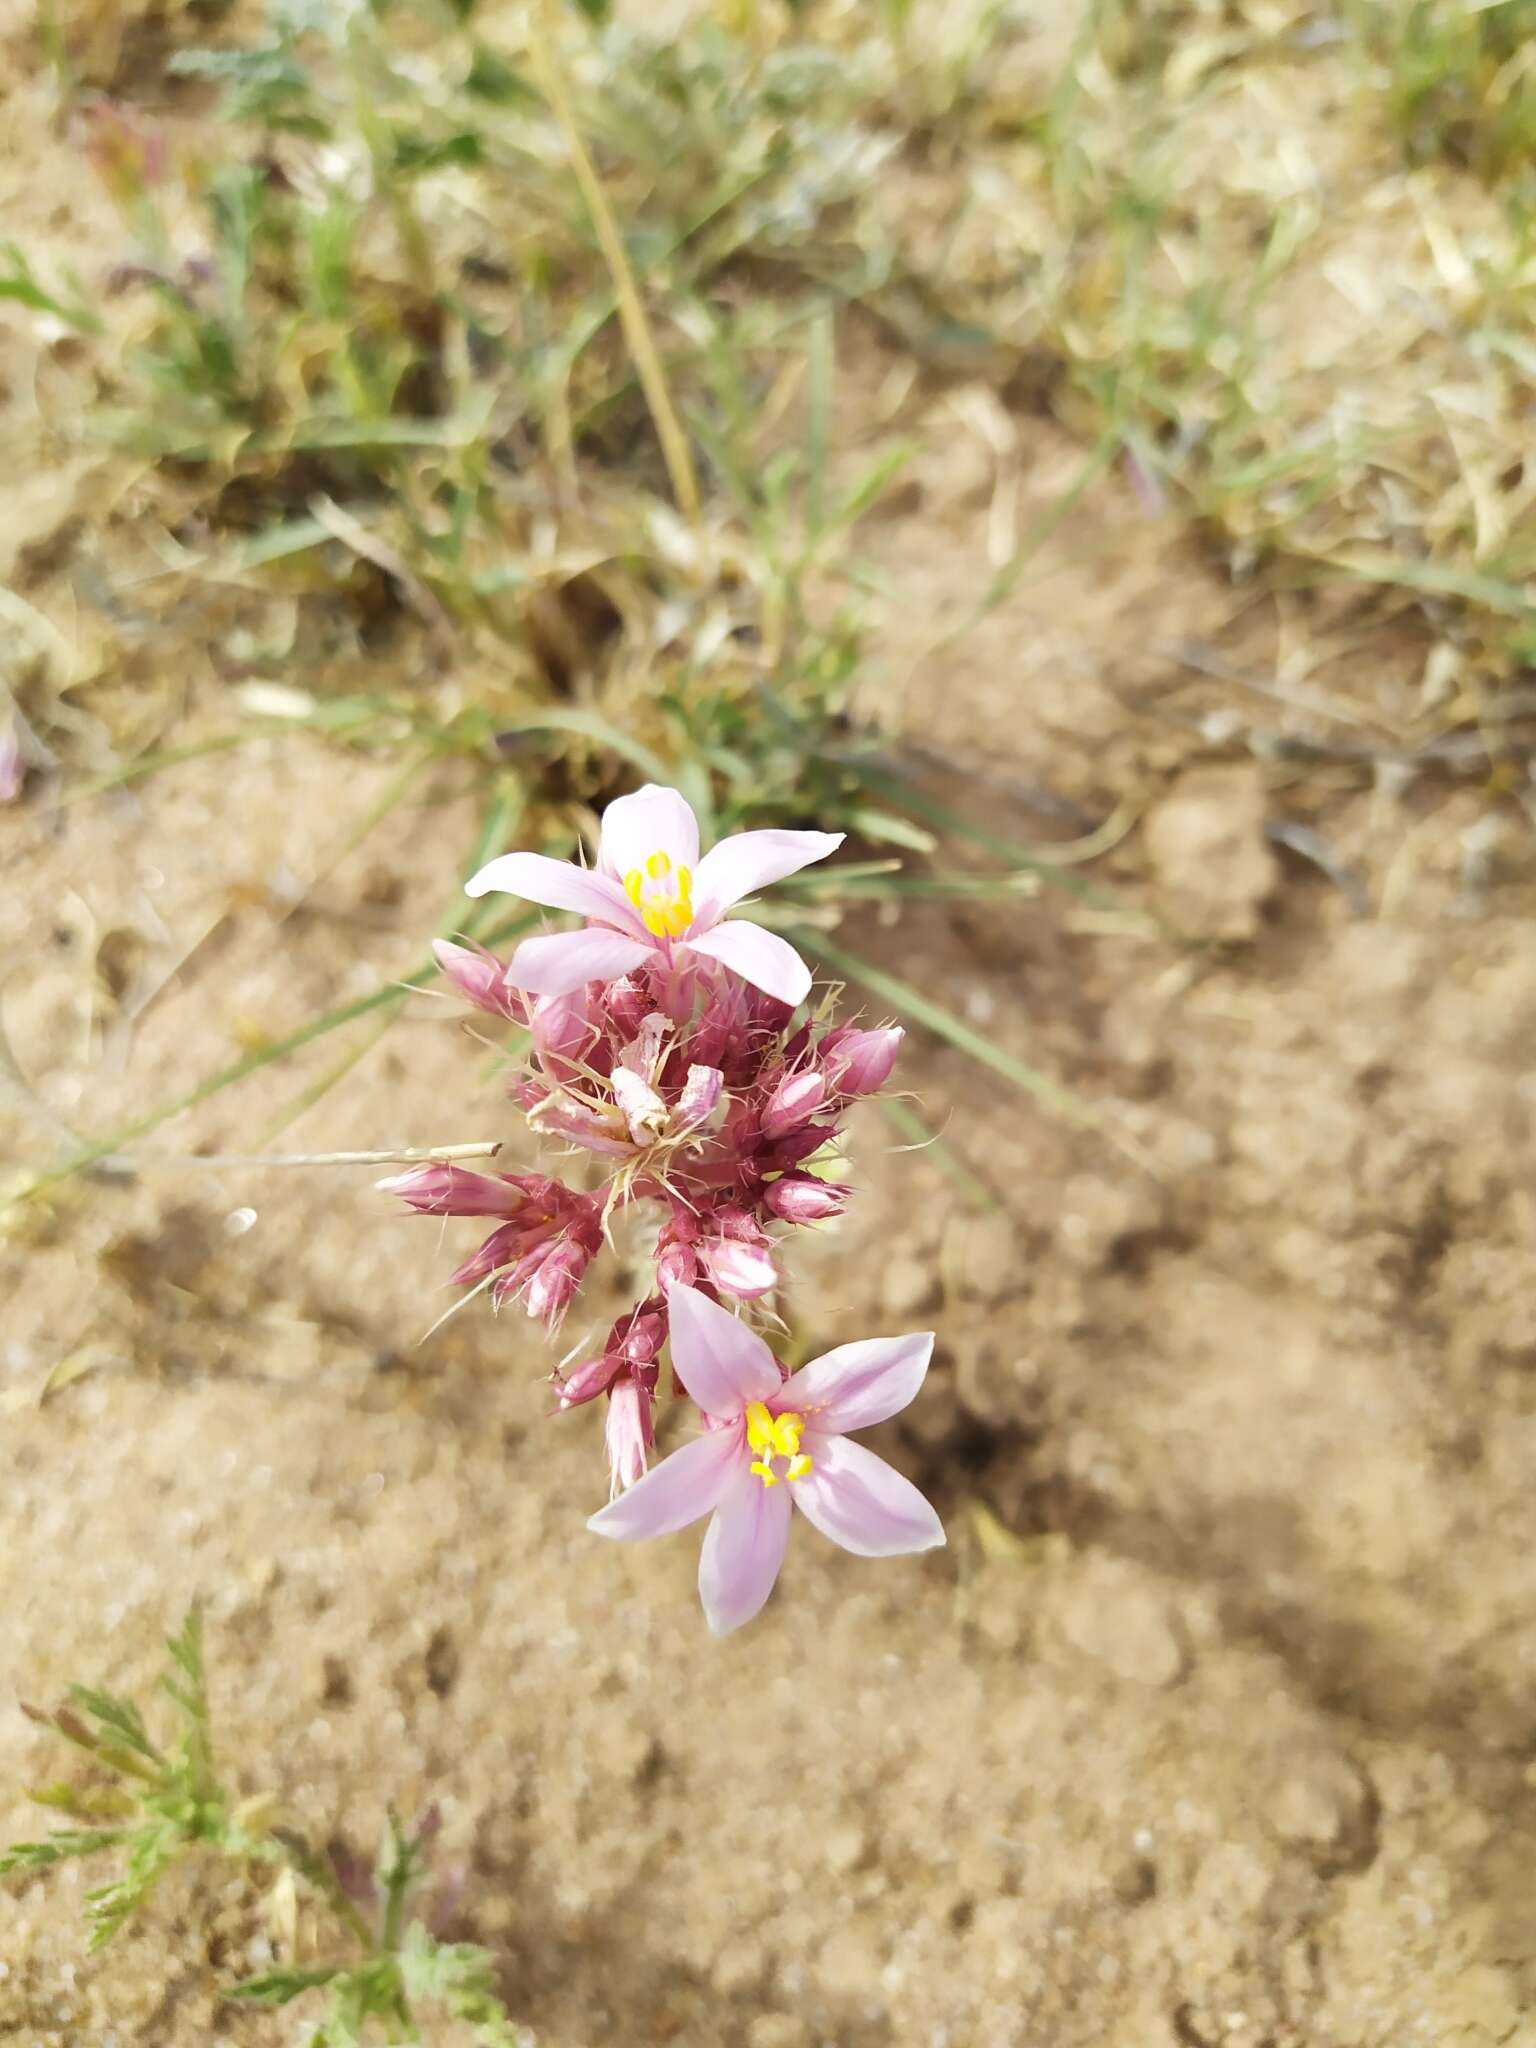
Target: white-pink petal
{"points": [[761, 957], [861, 1502], [558, 885], [752, 860], [743, 1548], [858, 1385], [653, 820], [560, 962], [722, 1363], [681, 1489]]}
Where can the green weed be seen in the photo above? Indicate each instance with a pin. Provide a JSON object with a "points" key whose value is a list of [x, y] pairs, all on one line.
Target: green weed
{"points": [[154, 1800]]}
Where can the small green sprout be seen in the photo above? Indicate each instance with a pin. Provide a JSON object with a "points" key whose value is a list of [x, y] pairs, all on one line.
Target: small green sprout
{"points": [[163, 1801]]}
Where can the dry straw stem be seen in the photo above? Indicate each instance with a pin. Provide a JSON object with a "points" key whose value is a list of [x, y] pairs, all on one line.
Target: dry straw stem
{"points": [[632, 314]]}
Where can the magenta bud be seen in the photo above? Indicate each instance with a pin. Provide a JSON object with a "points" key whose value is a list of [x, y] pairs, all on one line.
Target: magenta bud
{"points": [[499, 1249], [439, 1189], [481, 977], [587, 1381], [861, 1061], [802, 1198], [797, 1146], [793, 1103], [676, 1266], [640, 1343], [628, 1004]]}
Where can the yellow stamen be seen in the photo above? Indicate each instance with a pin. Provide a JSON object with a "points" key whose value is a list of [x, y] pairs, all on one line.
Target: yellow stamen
{"points": [[663, 895], [776, 1436]]}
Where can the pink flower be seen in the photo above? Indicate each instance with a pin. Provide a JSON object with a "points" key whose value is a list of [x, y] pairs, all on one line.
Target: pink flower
{"points": [[774, 1445], [651, 895]]}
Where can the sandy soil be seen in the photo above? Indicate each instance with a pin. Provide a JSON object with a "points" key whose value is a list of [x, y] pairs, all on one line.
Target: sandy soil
{"points": [[1216, 1721]]}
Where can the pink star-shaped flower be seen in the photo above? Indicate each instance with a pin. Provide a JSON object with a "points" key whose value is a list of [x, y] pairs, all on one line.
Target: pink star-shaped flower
{"points": [[650, 894], [774, 1445]]}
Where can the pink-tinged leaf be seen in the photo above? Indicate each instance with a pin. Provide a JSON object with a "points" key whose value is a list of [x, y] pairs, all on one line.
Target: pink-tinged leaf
{"points": [[681, 1489], [753, 860], [743, 1548], [722, 1363], [761, 957], [858, 1385], [653, 820], [558, 885], [861, 1502], [562, 961]]}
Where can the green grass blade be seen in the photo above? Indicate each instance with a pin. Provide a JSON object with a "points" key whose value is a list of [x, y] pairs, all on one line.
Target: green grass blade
{"points": [[919, 1137], [921, 1009]]}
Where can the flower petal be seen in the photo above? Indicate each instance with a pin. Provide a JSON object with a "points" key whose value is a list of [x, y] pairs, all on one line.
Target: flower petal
{"points": [[861, 1502], [558, 885], [751, 860], [743, 1548], [722, 1363], [653, 820], [562, 961], [858, 1385], [674, 1493], [763, 958]]}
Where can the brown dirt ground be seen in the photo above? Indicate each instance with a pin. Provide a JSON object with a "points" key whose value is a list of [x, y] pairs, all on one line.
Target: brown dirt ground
{"points": [[1236, 1743]]}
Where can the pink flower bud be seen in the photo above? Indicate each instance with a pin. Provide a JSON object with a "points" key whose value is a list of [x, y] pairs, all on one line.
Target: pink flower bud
{"points": [[552, 1285], [739, 1260], [700, 1097], [482, 978], [797, 1146], [801, 1198], [677, 1265], [629, 1432], [793, 1103], [499, 1249], [860, 1062], [586, 1382], [439, 1189], [628, 1004], [564, 1036], [639, 1336]]}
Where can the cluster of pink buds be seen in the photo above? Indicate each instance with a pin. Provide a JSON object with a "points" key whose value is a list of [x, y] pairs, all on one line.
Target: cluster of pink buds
{"points": [[667, 1044]]}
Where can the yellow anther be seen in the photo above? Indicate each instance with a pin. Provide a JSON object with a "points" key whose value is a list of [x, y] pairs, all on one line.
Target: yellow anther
{"points": [[776, 1436], [663, 895]]}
